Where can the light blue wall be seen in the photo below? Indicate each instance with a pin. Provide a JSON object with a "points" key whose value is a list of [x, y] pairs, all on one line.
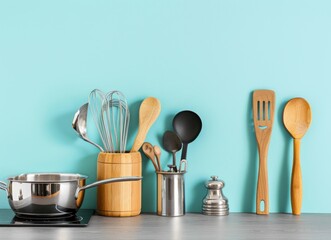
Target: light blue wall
{"points": [[207, 56]]}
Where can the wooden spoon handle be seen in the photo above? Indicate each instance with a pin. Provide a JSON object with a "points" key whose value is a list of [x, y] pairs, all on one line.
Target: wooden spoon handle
{"points": [[140, 138], [155, 164], [296, 183], [158, 163], [262, 196]]}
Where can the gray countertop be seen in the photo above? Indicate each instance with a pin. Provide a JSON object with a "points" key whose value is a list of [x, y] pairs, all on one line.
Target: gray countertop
{"points": [[191, 226]]}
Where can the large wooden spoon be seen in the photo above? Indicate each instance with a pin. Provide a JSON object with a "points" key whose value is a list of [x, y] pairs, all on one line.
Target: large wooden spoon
{"points": [[297, 119], [149, 110]]}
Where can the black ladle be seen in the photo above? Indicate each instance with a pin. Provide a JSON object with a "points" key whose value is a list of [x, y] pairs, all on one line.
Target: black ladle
{"points": [[187, 125], [172, 143]]}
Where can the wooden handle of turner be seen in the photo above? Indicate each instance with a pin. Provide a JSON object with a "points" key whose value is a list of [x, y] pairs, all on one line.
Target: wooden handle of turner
{"points": [[262, 196], [296, 183]]}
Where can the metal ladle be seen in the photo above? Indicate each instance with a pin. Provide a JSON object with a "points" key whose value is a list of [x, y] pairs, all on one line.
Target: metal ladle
{"points": [[79, 125]]}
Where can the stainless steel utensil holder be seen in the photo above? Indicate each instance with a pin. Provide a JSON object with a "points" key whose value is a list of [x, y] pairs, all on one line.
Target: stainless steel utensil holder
{"points": [[170, 194]]}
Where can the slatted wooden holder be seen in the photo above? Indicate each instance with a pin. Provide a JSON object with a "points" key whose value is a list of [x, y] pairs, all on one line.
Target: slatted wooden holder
{"points": [[120, 199]]}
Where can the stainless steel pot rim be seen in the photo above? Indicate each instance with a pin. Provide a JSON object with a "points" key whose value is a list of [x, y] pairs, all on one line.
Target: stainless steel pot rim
{"points": [[47, 177]]}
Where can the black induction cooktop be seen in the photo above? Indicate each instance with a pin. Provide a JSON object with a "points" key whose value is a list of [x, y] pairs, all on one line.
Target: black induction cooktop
{"points": [[80, 219]]}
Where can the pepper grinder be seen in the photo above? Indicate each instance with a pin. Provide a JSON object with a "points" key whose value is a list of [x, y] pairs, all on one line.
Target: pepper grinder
{"points": [[215, 203]]}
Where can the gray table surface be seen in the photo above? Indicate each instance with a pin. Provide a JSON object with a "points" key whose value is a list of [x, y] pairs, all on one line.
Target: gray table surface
{"points": [[191, 226]]}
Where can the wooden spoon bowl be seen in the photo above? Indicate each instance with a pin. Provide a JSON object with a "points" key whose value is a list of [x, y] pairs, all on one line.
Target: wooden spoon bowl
{"points": [[149, 110], [297, 117]]}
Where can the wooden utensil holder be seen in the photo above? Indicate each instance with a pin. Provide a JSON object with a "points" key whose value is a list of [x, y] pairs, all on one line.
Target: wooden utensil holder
{"points": [[121, 199]]}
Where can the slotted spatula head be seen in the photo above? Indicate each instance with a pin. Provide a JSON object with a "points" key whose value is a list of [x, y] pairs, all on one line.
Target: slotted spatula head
{"points": [[263, 110]]}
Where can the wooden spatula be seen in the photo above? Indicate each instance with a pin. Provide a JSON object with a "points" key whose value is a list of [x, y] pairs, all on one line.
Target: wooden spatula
{"points": [[263, 115]]}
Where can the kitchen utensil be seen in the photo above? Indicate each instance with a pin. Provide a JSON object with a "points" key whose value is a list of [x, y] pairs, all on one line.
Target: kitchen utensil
{"points": [[118, 120], [183, 162], [148, 112], [99, 112], [170, 194], [79, 125], [215, 203], [149, 152], [157, 151], [263, 115], [49, 194], [122, 199], [172, 143], [187, 125], [297, 118], [111, 116]]}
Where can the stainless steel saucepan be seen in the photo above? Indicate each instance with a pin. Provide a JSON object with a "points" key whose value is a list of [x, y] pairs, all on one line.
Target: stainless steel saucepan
{"points": [[49, 194]]}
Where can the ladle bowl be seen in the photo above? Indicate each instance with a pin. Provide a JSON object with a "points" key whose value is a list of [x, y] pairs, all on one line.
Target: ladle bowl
{"points": [[187, 125]]}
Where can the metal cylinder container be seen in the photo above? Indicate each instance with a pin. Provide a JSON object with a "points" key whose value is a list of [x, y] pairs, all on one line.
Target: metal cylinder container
{"points": [[170, 194]]}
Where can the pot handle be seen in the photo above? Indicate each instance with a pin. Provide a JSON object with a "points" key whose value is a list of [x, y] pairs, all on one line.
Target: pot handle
{"points": [[3, 186], [110, 180]]}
